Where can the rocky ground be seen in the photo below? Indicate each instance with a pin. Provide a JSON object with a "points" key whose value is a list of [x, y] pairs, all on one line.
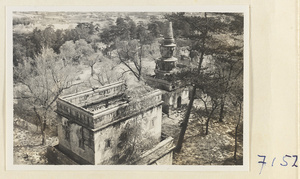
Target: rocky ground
{"points": [[216, 148], [28, 148]]}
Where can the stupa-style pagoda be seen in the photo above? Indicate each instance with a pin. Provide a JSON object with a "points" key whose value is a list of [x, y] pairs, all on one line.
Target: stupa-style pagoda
{"points": [[174, 93]]}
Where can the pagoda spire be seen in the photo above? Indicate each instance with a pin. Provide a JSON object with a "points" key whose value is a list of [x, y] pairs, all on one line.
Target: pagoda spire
{"points": [[168, 37]]}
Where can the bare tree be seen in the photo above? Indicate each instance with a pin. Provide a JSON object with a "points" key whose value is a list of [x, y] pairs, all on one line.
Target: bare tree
{"points": [[240, 107], [210, 105], [130, 54], [91, 60], [227, 67], [40, 81], [107, 72], [236, 96]]}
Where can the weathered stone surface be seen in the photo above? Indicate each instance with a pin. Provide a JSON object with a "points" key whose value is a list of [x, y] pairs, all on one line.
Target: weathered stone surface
{"points": [[97, 139], [57, 157], [161, 154]]}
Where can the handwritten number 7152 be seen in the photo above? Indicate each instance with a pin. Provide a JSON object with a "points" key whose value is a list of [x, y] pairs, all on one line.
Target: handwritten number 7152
{"points": [[284, 163]]}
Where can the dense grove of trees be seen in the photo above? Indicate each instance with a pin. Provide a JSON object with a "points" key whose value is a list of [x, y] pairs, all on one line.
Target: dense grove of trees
{"points": [[43, 60], [29, 45]]}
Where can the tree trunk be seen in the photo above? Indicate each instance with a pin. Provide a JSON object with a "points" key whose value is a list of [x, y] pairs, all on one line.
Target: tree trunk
{"points": [[92, 71], [222, 110], [188, 112], [235, 141], [206, 124], [236, 130], [43, 127], [186, 120], [64, 61], [43, 138]]}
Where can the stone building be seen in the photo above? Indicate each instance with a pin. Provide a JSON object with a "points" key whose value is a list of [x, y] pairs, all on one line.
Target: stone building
{"points": [[106, 126], [174, 94]]}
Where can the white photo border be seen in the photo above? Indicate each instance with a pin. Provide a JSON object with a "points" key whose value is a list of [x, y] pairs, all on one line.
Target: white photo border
{"points": [[9, 86]]}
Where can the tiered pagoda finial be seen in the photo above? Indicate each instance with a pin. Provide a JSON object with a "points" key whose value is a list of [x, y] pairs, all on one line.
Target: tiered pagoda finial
{"points": [[168, 37], [167, 63]]}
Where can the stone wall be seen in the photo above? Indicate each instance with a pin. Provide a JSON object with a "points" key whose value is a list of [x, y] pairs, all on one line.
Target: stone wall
{"points": [[72, 106], [76, 138], [143, 129], [167, 159], [75, 113], [57, 157], [161, 154], [183, 93], [171, 99], [89, 96]]}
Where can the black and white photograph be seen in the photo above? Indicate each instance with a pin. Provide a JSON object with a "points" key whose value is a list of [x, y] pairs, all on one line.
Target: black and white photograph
{"points": [[128, 87]]}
